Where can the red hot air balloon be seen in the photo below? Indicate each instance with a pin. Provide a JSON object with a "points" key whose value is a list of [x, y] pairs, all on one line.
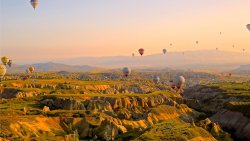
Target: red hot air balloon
{"points": [[141, 51]]}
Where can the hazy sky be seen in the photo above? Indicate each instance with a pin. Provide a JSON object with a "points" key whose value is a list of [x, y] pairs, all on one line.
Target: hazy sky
{"points": [[74, 28]]}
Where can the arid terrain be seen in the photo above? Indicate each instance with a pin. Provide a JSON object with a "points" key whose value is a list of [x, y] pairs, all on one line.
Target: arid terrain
{"points": [[107, 106]]}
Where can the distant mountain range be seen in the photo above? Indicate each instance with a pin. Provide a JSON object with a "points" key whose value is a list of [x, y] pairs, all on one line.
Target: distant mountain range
{"points": [[244, 69], [203, 59], [52, 67], [188, 60]]}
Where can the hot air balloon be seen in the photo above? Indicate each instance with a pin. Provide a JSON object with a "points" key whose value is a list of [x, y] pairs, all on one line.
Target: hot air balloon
{"points": [[170, 44], [197, 42], [156, 79], [244, 50], [34, 3], [248, 26], [126, 71], [178, 81], [3, 71], [133, 54], [5, 60], [10, 63], [31, 69], [141, 51], [164, 51]]}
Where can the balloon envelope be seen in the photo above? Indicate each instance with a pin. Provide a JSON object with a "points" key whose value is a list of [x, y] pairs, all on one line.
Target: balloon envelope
{"points": [[3, 71], [10, 63], [34, 3], [248, 27], [164, 51], [31, 69], [5, 60], [156, 79], [141, 51], [126, 71], [179, 81]]}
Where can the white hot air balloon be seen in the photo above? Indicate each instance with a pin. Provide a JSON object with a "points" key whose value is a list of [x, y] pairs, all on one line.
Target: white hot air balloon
{"points": [[126, 71], [156, 78], [179, 81]]}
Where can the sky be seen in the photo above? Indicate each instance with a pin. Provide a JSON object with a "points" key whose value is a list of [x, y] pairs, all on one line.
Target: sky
{"points": [[81, 28]]}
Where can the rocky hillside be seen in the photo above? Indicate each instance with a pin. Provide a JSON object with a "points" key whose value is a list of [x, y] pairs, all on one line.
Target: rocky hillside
{"points": [[227, 103], [19, 89], [73, 109], [106, 117]]}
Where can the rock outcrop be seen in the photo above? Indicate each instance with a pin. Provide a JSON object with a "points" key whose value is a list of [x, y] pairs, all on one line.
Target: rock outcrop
{"points": [[233, 121]]}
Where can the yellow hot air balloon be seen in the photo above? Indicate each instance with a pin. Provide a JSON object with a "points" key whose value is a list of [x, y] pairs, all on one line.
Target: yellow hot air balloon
{"points": [[34, 3], [3, 71], [5, 60], [31, 69]]}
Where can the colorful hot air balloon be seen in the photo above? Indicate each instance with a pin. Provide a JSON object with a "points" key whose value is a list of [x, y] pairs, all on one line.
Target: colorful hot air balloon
{"points": [[164, 51], [141, 51], [5, 60], [248, 26], [34, 3], [31, 69], [3, 71], [156, 79], [126, 71], [10, 63]]}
